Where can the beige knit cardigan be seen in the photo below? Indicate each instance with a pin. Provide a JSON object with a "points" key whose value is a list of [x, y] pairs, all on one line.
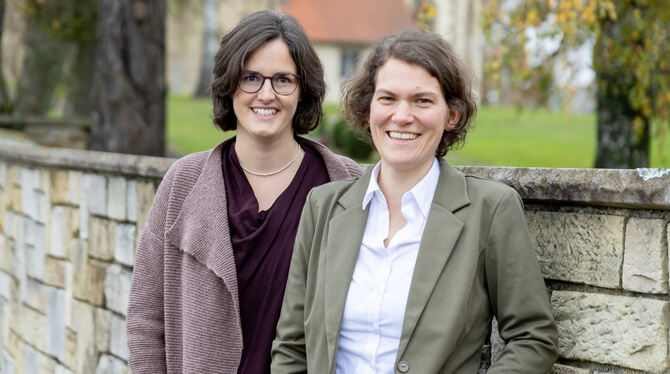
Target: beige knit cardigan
{"points": [[183, 312]]}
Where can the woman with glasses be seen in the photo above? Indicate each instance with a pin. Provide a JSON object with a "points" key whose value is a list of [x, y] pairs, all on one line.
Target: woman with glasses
{"points": [[213, 257], [402, 269]]}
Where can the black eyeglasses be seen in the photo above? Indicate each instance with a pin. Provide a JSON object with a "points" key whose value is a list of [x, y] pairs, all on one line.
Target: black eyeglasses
{"points": [[282, 83]]}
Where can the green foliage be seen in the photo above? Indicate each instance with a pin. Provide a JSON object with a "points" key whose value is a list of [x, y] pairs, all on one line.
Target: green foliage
{"points": [[632, 33], [342, 138], [189, 125], [69, 20]]}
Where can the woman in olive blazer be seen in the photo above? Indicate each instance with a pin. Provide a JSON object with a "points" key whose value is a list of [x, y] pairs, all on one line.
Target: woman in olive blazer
{"points": [[475, 258]]}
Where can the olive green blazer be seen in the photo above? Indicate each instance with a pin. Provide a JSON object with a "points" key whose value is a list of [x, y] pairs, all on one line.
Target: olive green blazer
{"points": [[475, 261]]}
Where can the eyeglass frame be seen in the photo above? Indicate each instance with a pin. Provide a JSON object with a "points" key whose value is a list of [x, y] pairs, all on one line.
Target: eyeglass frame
{"points": [[250, 72]]}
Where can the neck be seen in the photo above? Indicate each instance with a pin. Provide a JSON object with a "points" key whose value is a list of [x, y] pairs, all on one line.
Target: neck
{"points": [[264, 156], [394, 183]]}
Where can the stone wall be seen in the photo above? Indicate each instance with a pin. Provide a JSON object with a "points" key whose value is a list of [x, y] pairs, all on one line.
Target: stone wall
{"points": [[69, 222]]}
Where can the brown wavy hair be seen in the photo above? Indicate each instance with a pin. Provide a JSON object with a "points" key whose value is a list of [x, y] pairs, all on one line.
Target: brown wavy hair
{"points": [[243, 40], [429, 51]]}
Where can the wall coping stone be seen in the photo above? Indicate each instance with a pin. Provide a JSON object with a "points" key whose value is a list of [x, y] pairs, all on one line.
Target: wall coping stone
{"points": [[633, 188], [116, 163]]}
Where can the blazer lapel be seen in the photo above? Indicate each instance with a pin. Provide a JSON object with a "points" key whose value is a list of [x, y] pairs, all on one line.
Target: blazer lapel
{"points": [[345, 234], [437, 243]]}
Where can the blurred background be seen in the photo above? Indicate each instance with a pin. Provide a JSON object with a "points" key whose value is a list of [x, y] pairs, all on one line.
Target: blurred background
{"points": [[571, 83]]}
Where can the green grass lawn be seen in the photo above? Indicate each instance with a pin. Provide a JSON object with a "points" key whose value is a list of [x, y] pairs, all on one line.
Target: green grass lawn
{"points": [[500, 136]]}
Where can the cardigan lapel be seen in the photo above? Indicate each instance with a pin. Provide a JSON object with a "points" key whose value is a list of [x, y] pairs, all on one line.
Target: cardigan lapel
{"points": [[440, 235], [201, 228], [345, 234]]}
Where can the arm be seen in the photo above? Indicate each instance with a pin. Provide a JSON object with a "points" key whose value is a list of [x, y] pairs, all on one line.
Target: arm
{"points": [[288, 348], [518, 294], [145, 326]]}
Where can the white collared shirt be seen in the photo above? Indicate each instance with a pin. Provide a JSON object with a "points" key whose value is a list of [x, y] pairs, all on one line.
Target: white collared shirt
{"points": [[377, 297]]}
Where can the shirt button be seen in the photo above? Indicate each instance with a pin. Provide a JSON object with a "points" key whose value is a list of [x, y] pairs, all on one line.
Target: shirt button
{"points": [[403, 366]]}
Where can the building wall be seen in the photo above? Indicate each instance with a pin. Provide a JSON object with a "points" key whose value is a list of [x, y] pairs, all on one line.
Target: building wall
{"points": [[69, 222]]}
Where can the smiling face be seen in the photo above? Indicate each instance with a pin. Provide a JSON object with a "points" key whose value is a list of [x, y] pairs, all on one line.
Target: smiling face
{"points": [[408, 115], [265, 115]]}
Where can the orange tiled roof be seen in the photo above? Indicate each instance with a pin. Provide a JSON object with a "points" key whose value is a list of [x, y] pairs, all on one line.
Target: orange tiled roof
{"points": [[349, 21]]}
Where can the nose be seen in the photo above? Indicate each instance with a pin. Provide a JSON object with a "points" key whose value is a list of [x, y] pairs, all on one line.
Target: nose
{"points": [[403, 113], [266, 93]]}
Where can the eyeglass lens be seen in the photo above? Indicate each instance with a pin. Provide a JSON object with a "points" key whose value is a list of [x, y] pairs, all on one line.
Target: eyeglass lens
{"points": [[282, 83]]}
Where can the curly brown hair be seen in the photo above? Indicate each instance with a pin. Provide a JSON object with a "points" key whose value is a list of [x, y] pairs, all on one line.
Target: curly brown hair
{"points": [[431, 52], [242, 41]]}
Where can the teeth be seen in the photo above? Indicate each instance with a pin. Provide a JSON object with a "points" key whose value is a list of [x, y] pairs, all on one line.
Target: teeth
{"points": [[264, 112], [402, 135]]}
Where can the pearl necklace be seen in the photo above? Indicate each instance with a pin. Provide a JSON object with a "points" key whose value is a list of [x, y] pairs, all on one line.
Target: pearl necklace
{"points": [[297, 152]]}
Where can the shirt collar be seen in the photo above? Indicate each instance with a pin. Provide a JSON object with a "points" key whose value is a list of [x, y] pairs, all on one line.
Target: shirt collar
{"points": [[422, 192]]}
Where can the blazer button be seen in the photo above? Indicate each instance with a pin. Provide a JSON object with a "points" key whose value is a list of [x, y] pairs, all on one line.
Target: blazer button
{"points": [[403, 366]]}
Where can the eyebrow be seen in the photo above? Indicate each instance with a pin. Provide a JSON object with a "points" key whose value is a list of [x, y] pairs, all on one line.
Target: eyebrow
{"points": [[279, 72], [418, 94]]}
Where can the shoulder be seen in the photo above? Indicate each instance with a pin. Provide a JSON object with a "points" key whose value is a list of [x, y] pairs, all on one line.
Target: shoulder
{"points": [[339, 167], [484, 187]]}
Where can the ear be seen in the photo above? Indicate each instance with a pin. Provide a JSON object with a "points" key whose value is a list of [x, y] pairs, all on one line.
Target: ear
{"points": [[452, 119]]}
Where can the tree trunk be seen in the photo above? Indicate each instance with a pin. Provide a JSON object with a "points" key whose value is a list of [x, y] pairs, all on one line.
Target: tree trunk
{"points": [[210, 45], [129, 82], [623, 131], [42, 71], [5, 101], [79, 103]]}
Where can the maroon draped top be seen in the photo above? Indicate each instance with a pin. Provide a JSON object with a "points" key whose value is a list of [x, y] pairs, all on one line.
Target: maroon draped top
{"points": [[262, 246]]}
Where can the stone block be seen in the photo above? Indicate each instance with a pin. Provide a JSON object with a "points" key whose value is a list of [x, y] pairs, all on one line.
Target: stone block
{"points": [[117, 288], [5, 285], [96, 282], [84, 218], [116, 198], [564, 369], [30, 179], [31, 361], [645, 266], [32, 327], [615, 330], [15, 198], [64, 227], [3, 175], [74, 187], [59, 186], [579, 248], [5, 314], [80, 276], [36, 295], [58, 273], [37, 362], [65, 187], [131, 201], [56, 319], [117, 344], [94, 193], [43, 207], [5, 245], [82, 323], [60, 369], [103, 325], [35, 248], [70, 350], [145, 197], [101, 241], [7, 364], [44, 181], [111, 365], [124, 251]]}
